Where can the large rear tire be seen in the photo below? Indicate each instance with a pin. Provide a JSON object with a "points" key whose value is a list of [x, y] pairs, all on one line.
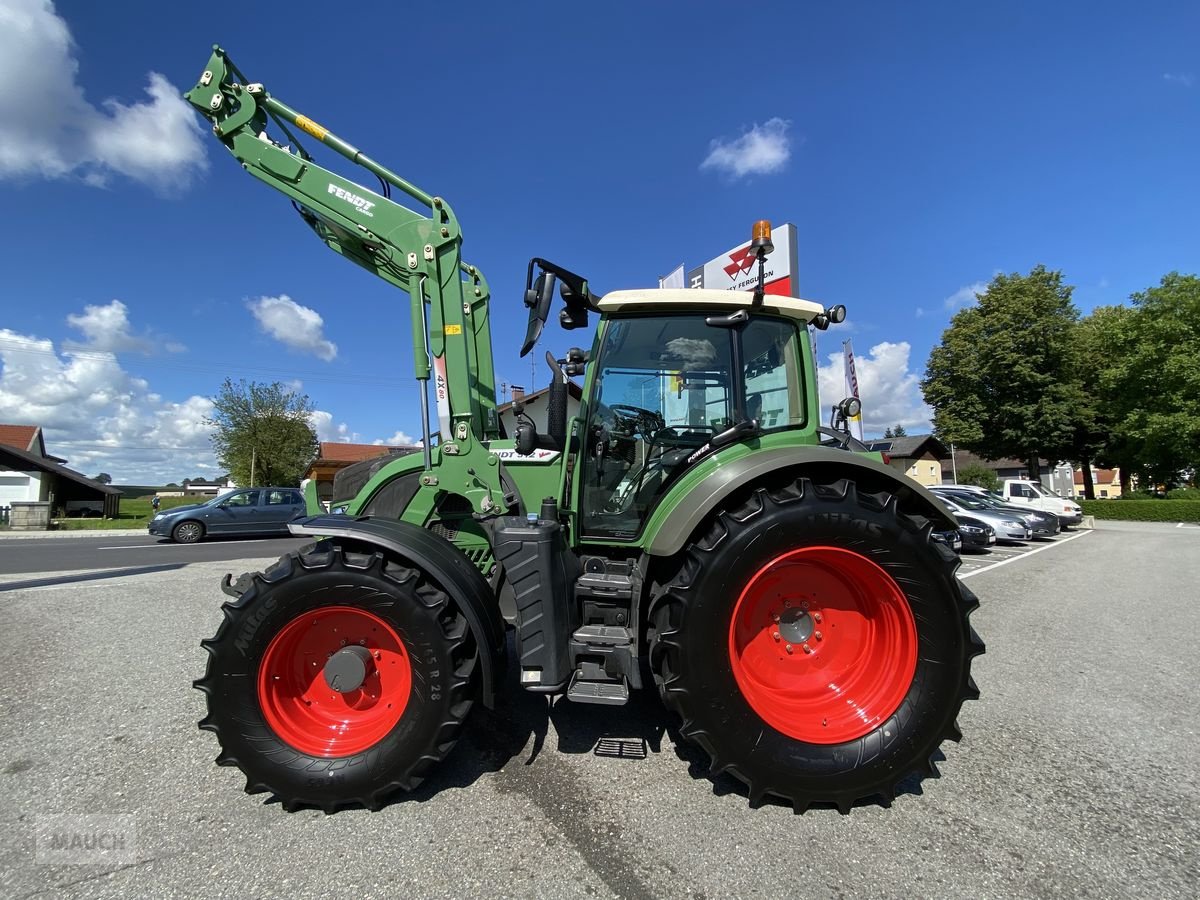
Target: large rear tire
{"points": [[816, 644], [337, 678]]}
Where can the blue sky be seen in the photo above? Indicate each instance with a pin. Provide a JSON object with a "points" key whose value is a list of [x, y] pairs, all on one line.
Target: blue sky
{"points": [[918, 148]]}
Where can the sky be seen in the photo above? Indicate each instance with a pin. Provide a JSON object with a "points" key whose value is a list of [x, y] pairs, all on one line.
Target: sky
{"points": [[918, 148]]}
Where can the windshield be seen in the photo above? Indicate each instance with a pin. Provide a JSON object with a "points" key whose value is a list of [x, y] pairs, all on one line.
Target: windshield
{"points": [[664, 386]]}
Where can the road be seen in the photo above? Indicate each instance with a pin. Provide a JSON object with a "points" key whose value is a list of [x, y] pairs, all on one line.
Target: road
{"points": [[124, 554], [1078, 774]]}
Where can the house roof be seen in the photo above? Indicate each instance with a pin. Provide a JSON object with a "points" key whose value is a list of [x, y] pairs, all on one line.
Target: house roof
{"points": [[23, 437], [911, 446], [47, 464], [967, 458], [573, 390], [1101, 476], [352, 453]]}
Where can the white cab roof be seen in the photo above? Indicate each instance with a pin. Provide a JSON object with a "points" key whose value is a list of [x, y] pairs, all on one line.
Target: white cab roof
{"points": [[676, 299]]}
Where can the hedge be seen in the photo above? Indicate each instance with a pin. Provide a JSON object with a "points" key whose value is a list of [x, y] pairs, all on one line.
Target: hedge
{"points": [[1143, 510]]}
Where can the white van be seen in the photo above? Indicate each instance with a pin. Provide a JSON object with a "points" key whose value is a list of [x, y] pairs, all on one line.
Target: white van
{"points": [[1021, 492]]}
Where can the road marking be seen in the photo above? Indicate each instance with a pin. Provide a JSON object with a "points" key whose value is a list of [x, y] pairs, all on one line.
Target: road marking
{"points": [[1005, 562], [1187, 525], [197, 544]]}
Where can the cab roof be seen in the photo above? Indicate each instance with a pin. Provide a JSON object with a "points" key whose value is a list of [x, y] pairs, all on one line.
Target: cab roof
{"points": [[684, 299]]}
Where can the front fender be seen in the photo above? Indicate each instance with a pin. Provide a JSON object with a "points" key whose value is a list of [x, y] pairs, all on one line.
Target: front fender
{"points": [[443, 562], [690, 501]]}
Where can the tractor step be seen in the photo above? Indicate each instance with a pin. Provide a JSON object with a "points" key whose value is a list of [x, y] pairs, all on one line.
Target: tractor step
{"points": [[603, 636], [609, 693]]}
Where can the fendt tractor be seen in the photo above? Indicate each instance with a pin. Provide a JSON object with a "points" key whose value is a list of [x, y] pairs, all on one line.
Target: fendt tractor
{"points": [[694, 526]]}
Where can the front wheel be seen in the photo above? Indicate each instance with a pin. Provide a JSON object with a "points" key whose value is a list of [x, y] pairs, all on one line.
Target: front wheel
{"points": [[187, 532], [338, 678], [815, 643]]}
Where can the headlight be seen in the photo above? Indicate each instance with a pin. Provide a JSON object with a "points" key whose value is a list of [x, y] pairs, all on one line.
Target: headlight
{"points": [[157, 516], [970, 529]]}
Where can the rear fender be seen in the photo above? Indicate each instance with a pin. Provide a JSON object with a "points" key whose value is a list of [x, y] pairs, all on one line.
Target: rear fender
{"points": [[684, 509], [443, 562]]}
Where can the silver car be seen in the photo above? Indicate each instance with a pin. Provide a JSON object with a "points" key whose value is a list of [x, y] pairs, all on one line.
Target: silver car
{"points": [[1042, 524], [1009, 528]]}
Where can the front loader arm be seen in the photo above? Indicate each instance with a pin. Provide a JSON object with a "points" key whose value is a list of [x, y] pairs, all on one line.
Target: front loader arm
{"points": [[418, 252]]}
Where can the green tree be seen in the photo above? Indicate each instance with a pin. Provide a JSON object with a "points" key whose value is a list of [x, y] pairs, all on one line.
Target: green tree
{"points": [[1002, 381], [1101, 344], [261, 432], [1153, 379], [979, 475], [103, 478], [895, 431]]}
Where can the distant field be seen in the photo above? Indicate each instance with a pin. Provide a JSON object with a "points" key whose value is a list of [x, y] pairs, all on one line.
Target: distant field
{"points": [[134, 514]]}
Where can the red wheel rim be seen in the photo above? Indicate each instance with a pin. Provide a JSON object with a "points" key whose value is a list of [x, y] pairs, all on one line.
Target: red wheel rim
{"points": [[823, 644], [309, 715]]}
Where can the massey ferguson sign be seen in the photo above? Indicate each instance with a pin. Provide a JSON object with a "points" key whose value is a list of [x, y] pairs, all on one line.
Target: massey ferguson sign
{"points": [[737, 269]]}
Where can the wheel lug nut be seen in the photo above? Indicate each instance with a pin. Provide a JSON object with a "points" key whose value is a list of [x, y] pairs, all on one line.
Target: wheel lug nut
{"points": [[817, 618], [807, 649], [787, 604], [788, 648], [775, 617], [775, 634], [818, 635], [804, 605]]}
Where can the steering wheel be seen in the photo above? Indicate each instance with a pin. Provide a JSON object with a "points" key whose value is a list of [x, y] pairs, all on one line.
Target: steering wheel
{"points": [[635, 418]]}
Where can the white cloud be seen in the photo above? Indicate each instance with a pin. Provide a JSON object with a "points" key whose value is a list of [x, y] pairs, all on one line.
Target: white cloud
{"points": [[106, 328], [296, 326], [964, 296], [400, 438], [889, 390], [99, 416], [762, 150], [48, 129], [322, 423], [1183, 79]]}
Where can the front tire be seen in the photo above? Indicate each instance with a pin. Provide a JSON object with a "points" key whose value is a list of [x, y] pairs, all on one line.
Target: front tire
{"points": [[405, 657], [815, 644], [187, 532]]}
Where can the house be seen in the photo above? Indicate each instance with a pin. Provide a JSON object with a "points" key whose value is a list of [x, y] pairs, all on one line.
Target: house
{"points": [[333, 457], [1004, 468], [537, 405], [201, 488], [28, 474], [919, 456], [1105, 482]]}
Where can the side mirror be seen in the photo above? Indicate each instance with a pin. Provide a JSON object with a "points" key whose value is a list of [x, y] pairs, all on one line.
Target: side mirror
{"points": [[538, 297]]}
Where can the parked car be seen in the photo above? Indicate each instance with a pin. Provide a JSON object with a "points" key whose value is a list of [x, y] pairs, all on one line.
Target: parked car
{"points": [[976, 534], [1042, 524], [1030, 493], [265, 510], [1009, 528], [950, 537]]}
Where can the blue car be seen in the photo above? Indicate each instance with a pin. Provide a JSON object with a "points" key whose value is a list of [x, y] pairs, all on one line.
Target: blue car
{"points": [[265, 510]]}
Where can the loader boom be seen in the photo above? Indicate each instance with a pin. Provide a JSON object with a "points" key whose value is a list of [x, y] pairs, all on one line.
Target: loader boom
{"points": [[416, 251]]}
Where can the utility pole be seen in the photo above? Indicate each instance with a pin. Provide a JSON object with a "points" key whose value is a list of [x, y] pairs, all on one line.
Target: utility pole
{"points": [[953, 463], [253, 460]]}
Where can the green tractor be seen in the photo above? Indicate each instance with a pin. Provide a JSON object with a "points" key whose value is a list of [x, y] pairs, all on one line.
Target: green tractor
{"points": [[694, 526]]}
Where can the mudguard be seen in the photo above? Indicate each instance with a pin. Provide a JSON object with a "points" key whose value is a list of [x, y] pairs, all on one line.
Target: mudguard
{"points": [[444, 563], [686, 506]]}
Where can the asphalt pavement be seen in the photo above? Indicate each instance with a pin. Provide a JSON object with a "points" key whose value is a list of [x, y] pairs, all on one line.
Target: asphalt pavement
{"points": [[47, 557], [1077, 776]]}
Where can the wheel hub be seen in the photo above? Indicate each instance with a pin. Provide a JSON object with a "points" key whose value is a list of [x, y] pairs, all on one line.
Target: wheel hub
{"points": [[796, 626], [348, 669]]}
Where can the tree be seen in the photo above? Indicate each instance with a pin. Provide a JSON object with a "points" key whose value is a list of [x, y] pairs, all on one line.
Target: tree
{"points": [[1152, 378], [979, 475], [1002, 381], [262, 432], [895, 431], [103, 478]]}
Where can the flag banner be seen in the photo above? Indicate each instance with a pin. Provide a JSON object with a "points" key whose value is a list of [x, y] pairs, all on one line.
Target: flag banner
{"points": [[674, 279], [852, 383]]}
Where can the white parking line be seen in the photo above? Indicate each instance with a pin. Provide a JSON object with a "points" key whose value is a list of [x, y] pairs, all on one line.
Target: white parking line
{"points": [[1005, 562], [144, 546]]}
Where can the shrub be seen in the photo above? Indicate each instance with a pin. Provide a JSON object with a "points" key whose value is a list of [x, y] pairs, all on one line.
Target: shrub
{"points": [[1139, 510]]}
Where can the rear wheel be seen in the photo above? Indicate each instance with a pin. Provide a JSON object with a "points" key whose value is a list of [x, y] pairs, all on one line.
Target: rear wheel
{"points": [[338, 678], [815, 643]]}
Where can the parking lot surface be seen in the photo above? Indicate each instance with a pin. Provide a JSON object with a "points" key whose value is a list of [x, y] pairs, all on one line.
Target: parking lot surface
{"points": [[1079, 773]]}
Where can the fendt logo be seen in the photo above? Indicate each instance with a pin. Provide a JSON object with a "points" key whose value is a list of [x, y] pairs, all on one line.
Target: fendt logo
{"points": [[743, 261], [362, 203]]}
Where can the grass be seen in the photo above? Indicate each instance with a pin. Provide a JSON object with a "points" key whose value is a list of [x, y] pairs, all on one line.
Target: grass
{"points": [[134, 514]]}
